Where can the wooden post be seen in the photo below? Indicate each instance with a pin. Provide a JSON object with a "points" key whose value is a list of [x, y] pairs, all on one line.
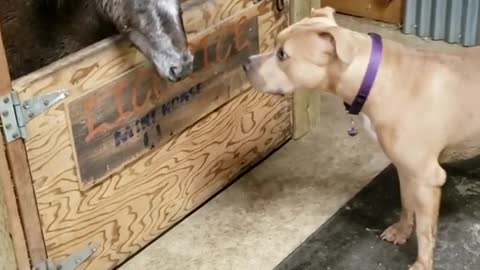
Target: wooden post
{"points": [[7, 255], [305, 103], [16, 182], [10, 225]]}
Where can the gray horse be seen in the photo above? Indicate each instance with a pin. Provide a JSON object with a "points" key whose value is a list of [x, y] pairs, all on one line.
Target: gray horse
{"points": [[37, 33]]}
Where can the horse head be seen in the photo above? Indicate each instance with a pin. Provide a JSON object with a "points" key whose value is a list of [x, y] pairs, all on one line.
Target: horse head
{"points": [[156, 28]]}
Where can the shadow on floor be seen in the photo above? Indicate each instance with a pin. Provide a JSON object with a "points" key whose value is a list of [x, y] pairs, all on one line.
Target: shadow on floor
{"points": [[350, 239]]}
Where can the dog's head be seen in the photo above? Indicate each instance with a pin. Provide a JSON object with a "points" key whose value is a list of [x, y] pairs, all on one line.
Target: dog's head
{"points": [[307, 55]]}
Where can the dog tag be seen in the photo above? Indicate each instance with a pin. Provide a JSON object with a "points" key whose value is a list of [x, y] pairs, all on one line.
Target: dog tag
{"points": [[352, 131]]}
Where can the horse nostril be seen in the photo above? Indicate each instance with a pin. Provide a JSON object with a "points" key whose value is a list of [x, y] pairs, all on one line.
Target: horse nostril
{"points": [[174, 72]]}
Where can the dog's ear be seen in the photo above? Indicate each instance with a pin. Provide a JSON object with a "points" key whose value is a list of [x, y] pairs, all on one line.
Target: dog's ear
{"points": [[340, 40], [324, 13]]}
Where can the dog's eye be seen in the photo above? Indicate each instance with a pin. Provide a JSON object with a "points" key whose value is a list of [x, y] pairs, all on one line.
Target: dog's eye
{"points": [[281, 55]]}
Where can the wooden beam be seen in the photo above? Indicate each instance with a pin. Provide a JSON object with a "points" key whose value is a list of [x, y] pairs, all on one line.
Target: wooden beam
{"points": [[305, 103], [6, 187], [300, 9], [316, 3], [25, 206], [389, 11], [7, 254]]}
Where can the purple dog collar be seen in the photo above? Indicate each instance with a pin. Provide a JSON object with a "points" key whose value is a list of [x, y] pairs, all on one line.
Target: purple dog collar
{"points": [[370, 75]]}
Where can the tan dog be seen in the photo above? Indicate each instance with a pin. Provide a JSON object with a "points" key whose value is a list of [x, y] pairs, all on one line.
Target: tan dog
{"points": [[422, 108]]}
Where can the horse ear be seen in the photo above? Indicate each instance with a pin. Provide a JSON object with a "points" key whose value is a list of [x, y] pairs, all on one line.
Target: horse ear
{"points": [[341, 41]]}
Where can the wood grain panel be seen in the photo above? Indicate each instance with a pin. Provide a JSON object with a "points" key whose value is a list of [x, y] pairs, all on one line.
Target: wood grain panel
{"points": [[203, 14], [158, 191], [131, 115], [131, 208], [390, 11]]}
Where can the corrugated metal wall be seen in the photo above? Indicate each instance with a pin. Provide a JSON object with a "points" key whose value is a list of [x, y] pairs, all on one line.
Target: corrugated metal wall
{"points": [[454, 21]]}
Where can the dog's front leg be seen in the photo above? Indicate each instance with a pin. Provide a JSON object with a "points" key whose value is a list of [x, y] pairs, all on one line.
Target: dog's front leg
{"points": [[426, 193], [398, 233]]}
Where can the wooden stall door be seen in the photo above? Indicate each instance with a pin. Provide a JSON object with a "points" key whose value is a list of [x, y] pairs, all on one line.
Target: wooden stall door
{"points": [[128, 155]]}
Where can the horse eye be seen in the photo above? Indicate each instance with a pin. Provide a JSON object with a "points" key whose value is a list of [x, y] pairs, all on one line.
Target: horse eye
{"points": [[281, 55]]}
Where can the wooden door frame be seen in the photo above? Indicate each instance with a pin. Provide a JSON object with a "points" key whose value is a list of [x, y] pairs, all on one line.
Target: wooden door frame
{"points": [[7, 210], [17, 186], [305, 103]]}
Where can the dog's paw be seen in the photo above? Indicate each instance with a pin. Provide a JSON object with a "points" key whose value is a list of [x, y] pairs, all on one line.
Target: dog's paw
{"points": [[397, 233], [419, 266]]}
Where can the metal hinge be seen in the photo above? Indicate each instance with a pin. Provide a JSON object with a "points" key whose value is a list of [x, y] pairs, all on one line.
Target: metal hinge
{"points": [[72, 262], [15, 114]]}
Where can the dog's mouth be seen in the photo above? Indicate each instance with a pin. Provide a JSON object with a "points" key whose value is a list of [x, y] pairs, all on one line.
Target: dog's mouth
{"points": [[279, 93], [264, 83]]}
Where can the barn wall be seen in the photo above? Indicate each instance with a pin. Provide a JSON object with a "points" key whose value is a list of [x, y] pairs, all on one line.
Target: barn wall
{"points": [[35, 36], [451, 21]]}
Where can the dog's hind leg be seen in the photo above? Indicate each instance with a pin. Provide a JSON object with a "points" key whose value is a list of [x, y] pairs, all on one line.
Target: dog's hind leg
{"points": [[398, 233], [421, 191], [426, 195], [422, 178]]}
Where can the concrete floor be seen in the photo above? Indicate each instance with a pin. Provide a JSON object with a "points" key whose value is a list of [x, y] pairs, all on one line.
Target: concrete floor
{"points": [[270, 211], [266, 214], [351, 238]]}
